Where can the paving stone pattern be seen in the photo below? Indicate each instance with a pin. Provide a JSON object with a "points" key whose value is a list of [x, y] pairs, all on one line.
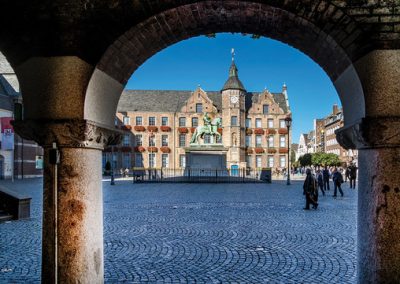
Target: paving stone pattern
{"points": [[194, 233]]}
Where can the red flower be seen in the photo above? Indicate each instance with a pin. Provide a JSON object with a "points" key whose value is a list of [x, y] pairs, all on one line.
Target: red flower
{"points": [[192, 129], [283, 150], [139, 128], [271, 150], [126, 149], [259, 131], [249, 151], [165, 149], [270, 131], [152, 149], [165, 128], [282, 131], [152, 128], [183, 130], [259, 150], [140, 149], [249, 131], [220, 130]]}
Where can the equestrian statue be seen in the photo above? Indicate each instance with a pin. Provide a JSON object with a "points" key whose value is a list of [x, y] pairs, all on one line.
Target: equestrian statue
{"points": [[210, 127]]}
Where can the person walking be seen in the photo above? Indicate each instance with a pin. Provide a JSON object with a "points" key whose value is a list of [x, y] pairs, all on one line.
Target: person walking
{"points": [[353, 176], [337, 182], [326, 176], [309, 190], [347, 173], [320, 182]]}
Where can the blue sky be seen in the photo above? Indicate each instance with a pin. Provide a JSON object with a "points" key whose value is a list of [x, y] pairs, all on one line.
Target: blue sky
{"points": [[262, 63]]}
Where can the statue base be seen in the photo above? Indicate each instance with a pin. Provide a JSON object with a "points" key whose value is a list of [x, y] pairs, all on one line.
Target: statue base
{"points": [[206, 157]]}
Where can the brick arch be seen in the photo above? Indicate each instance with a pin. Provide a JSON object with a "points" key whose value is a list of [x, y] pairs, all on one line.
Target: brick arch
{"points": [[317, 31]]}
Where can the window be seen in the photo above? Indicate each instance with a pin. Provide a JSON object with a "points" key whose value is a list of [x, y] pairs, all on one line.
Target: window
{"points": [[127, 160], [164, 121], [282, 123], [249, 161], [248, 122], [207, 139], [139, 120], [182, 161], [282, 141], [248, 140], [270, 123], [127, 120], [152, 120], [164, 160], [139, 160], [234, 121], [258, 122], [283, 161], [127, 140], [152, 160], [182, 140], [114, 160], [258, 140], [195, 121], [219, 139], [271, 141], [138, 139], [164, 140], [265, 109], [258, 161], [199, 108], [182, 121], [152, 141], [270, 161]]}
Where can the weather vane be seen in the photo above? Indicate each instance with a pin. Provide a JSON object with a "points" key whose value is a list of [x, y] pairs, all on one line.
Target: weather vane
{"points": [[233, 54]]}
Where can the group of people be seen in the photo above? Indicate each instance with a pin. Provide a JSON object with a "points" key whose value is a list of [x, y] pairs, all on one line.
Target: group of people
{"points": [[320, 181]]}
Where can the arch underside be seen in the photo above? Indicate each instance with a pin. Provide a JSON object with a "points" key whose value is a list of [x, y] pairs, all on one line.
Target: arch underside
{"points": [[144, 40]]}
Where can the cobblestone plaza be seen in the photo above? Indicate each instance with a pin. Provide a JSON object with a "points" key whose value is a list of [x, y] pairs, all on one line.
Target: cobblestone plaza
{"points": [[196, 233]]}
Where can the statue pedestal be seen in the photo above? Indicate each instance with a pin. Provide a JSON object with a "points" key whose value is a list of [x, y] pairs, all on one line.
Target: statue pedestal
{"points": [[206, 157]]}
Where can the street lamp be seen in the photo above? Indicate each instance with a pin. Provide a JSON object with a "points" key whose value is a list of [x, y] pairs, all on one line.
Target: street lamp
{"points": [[288, 122]]}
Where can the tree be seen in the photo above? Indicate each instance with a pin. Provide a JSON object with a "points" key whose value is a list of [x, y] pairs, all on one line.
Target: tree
{"points": [[305, 160], [325, 159], [292, 156]]}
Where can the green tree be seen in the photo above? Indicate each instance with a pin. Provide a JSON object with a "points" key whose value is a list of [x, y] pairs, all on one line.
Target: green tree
{"points": [[305, 160], [325, 159]]}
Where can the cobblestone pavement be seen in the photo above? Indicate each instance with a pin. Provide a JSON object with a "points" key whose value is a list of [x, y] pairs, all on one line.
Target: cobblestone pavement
{"points": [[213, 233]]}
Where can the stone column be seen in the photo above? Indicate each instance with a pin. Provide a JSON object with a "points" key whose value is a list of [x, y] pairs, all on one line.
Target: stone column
{"points": [[378, 141], [76, 254]]}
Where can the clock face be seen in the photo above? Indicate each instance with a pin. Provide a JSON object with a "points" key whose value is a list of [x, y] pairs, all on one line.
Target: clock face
{"points": [[234, 99]]}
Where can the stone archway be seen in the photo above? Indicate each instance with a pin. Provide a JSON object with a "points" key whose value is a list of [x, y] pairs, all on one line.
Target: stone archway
{"points": [[73, 67]]}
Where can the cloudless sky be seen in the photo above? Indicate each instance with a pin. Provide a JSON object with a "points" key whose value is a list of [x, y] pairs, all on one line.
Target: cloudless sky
{"points": [[262, 63]]}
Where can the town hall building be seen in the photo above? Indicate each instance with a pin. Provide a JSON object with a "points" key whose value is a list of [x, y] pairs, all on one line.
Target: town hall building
{"points": [[159, 125]]}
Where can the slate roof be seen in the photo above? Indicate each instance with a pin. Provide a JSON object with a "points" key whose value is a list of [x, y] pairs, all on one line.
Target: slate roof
{"points": [[233, 82], [173, 101]]}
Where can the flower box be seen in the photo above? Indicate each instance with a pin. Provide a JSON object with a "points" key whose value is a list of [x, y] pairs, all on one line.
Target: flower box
{"points": [[259, 150], [165, 149], [108, 149], [126, 127], [139, 128], [165, 128], [140, 149], [183, 130], [249, 131], [282, 131], [249, 151], [271, 150], [152, 128], [152, 149], [126, 149], [192, 129], [270, 131], [220, 130], [283, 150], [258, 131]]}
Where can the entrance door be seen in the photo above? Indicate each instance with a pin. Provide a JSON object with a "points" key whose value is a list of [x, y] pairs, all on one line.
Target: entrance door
{"points": [[235, 170]]}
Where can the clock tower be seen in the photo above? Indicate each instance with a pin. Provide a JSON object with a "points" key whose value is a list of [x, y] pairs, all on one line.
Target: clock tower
{"points": [[233, 119]]}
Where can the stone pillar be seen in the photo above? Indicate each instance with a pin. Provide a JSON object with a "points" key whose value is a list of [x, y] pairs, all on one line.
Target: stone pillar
{"points": [[76, 254], [378, 141]]}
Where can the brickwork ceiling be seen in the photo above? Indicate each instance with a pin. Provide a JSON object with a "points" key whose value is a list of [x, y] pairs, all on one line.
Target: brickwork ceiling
{"points": [[88, 28]]}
